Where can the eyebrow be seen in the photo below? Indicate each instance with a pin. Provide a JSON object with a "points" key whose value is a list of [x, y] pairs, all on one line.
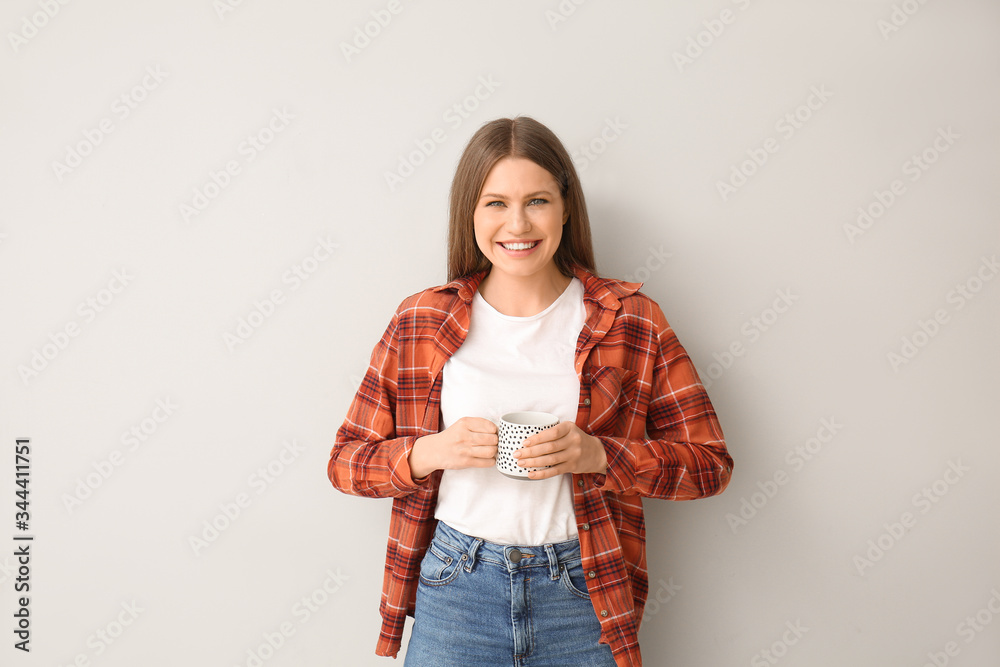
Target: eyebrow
{"points": [[493, 195]]}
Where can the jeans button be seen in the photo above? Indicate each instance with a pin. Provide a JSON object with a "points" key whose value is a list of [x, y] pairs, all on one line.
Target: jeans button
{"points": [[514, 555]]}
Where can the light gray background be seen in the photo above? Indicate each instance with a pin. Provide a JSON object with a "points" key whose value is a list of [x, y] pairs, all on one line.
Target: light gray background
{"points": [[671, 132]]}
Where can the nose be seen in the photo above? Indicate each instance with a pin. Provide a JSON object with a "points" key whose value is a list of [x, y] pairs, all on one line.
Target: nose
{"points": [[518, 222]]}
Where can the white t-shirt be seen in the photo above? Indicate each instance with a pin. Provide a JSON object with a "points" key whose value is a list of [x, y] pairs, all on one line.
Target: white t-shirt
{"points": [[510, 364]]}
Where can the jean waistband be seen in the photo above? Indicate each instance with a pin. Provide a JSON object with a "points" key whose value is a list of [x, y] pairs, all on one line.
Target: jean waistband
{"points": [[514, 557]]}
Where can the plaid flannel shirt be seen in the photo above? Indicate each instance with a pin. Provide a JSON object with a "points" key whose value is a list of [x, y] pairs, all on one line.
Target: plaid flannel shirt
{"points": [[639, 394]]}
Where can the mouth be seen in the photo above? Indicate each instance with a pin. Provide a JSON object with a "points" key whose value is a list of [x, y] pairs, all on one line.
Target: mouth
{"points": [[519, 245]]}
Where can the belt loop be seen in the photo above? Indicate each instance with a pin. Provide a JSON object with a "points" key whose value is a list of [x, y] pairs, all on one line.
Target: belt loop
{"points": [[550, 552], [473, 550]]}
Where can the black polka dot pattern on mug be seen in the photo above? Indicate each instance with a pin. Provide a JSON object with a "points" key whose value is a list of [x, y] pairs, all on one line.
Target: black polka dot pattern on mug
{"points": [[511, 437], [513, 429]]}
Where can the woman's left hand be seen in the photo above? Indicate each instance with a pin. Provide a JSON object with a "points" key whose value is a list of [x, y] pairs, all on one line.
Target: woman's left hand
{"points": [[566, 448]]}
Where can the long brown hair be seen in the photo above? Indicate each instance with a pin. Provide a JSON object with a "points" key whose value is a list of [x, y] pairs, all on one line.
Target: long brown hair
{"points": [[520, 137]]}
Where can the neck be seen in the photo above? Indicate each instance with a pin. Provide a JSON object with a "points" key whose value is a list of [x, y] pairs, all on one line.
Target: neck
{"points": [[523, 296]]}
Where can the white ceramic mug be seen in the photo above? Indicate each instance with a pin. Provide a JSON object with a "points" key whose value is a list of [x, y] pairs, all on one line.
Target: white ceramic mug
{"points": [[514, 428]]}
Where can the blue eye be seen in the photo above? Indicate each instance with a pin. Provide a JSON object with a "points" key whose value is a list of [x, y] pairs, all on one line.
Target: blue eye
{"points": [[531, 202]]}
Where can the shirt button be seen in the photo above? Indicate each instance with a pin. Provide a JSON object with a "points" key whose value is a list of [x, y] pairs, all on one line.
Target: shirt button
{"points": [[579, 482], [586, 401], [604, 613], [591, 574], [586, 526]]}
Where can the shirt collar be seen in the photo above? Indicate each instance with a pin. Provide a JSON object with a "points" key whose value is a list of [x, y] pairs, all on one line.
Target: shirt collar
{"points": [[603, 291]]}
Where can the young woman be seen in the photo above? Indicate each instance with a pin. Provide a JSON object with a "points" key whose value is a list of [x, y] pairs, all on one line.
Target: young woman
{"points": [[551, 570]]}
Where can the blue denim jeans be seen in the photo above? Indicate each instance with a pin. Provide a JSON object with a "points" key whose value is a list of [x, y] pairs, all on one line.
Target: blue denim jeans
{"points": [[486, 604]]}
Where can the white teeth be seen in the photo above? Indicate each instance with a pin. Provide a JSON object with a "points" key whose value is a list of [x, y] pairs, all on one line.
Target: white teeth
{"points": [[517, 246]]}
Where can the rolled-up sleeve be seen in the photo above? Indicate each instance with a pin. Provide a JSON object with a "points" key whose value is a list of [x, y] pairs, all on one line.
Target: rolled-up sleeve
{"points": [[683, 453], [368, 459]]}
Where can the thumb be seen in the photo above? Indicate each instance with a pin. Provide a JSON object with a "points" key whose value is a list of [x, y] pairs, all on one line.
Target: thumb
{"points": [[481, 425]]}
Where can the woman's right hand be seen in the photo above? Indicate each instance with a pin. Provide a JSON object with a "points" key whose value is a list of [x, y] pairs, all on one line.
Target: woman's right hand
{"points": [[471, 442]]}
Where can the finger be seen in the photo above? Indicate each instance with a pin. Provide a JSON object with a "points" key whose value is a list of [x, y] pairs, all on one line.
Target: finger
{"points": [[547, 473], [542, 461], [480, 425], [547, 435], [539, 449], [484, 452], [484, 439]]}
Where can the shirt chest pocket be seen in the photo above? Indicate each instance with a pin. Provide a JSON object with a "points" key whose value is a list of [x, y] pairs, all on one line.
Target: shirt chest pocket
{"points": [[613, 395]]}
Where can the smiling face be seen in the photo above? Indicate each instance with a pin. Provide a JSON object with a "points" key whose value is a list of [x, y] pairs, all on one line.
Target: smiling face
{"points": [[519, 219]]}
